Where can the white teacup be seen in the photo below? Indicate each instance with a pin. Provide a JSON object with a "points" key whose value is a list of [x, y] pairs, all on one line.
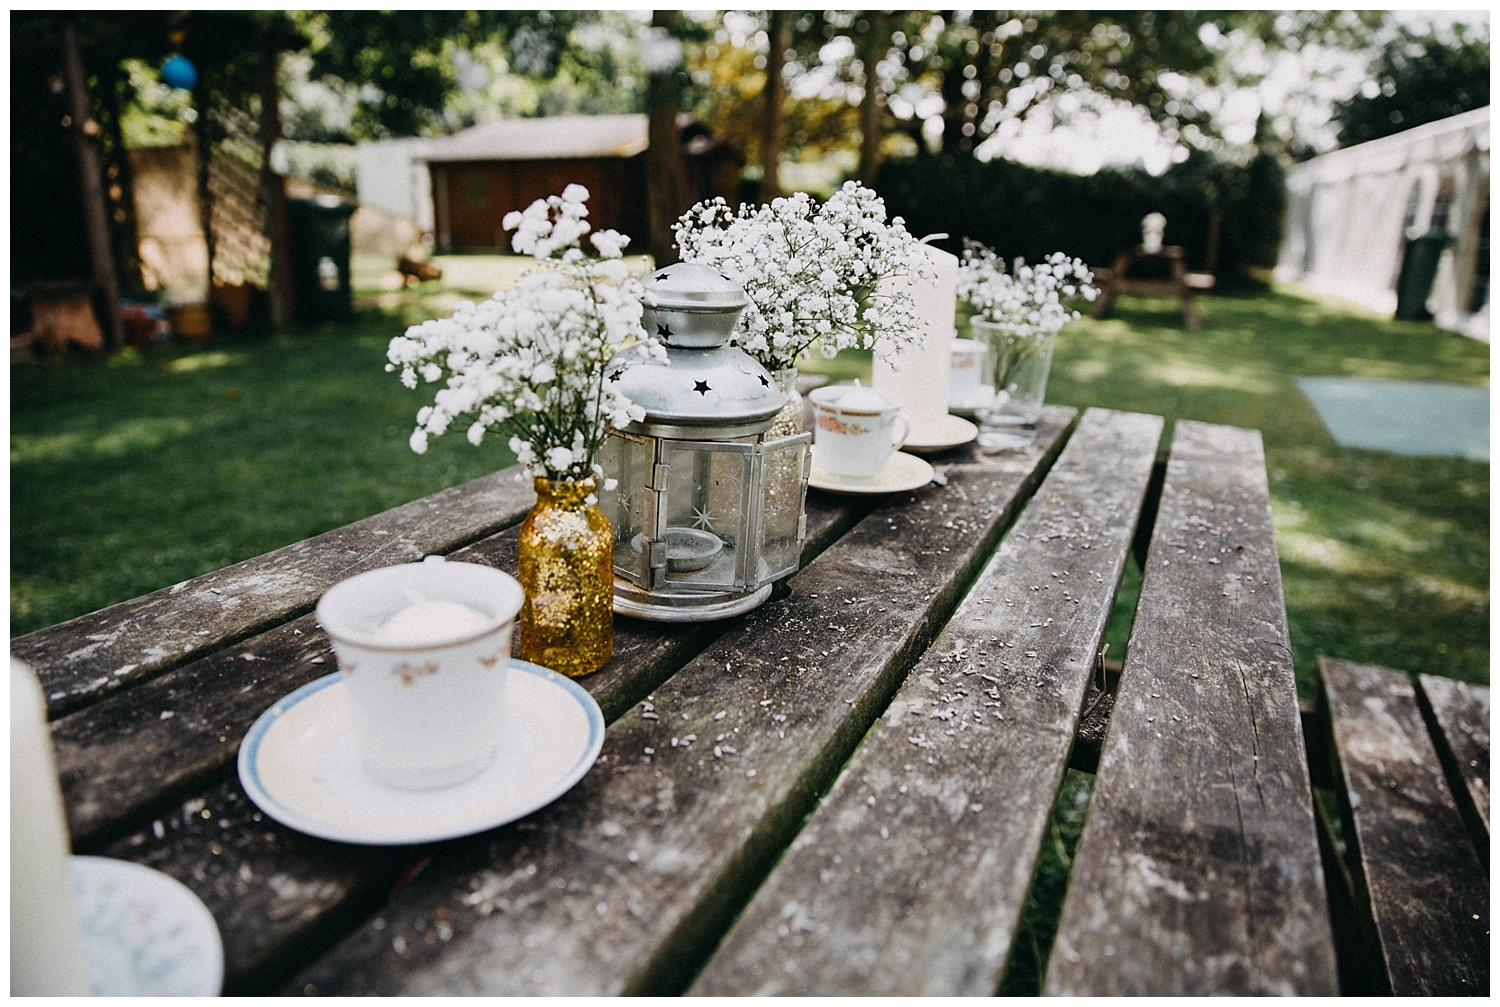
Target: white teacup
{"points": [[425, 653], [856, 430], [966, 375]]}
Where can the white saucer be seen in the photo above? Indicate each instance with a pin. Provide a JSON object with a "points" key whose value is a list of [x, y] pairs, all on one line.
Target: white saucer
{"points": [[299, 763], [956, 431], [145, 934], [901, 472], [968, 405]]}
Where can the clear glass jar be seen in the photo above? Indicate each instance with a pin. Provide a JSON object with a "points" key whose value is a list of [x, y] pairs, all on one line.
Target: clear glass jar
{"points": [[1016, 366]]}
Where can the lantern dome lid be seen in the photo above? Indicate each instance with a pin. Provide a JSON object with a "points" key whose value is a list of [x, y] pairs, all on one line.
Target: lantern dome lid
{"points": [[721, 386], [692, 286]]}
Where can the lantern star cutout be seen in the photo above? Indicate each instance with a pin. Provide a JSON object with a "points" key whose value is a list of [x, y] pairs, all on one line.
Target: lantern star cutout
{"points": [[763, 381], [701, 387], [663, 330], [616, 375]]}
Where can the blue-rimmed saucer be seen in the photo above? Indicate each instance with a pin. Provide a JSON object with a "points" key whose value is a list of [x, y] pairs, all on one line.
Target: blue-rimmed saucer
{"points": [[300, 765]]}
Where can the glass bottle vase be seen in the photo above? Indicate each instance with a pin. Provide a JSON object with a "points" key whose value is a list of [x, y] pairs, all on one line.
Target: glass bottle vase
{"points": [[788, 422], [567, 572]]}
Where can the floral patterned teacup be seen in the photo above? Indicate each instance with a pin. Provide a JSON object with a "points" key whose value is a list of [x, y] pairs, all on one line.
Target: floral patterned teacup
{"points": [[856, 431], [966, 389], [425, 653]]}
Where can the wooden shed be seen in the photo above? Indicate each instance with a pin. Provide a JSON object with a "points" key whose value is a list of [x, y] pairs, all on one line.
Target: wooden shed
{"points": [[482, 173]]}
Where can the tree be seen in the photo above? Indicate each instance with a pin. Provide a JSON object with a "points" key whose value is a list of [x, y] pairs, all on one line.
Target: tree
{"points": [[666, 182], [399, 70], [1418, 76]]}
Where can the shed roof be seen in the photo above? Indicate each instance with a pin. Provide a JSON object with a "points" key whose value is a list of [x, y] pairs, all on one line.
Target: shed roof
{"points": [[552, 137]]}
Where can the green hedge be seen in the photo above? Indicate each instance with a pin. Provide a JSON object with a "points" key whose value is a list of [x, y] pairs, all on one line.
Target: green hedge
{"points": [[1031, 212]]}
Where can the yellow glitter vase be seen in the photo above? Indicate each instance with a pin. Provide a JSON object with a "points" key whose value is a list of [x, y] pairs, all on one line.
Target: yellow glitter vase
{"points": [[567, 572]]}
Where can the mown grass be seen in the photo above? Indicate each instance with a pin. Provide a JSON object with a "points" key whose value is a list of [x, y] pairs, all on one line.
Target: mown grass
{"points": [[1384, 557], [136, 471]]}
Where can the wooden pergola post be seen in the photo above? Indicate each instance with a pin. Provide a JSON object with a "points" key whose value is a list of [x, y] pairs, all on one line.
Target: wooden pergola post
{"points": [[83, 129]]}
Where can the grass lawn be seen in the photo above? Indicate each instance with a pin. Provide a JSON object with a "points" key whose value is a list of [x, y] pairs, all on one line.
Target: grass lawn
{"points": [[141, 470], [1384, 558], [134, 472]]}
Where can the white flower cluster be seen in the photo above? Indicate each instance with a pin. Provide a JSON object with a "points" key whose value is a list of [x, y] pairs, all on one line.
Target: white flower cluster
{"points": [[530, 361], [1032, 300], [837, 274]]}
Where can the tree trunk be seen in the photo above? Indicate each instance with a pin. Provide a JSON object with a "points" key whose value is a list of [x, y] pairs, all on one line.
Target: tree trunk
{"points": [[666, 176], [871, 111], [83, 129], [203, 104], [126, 232], [273, 194], [781, 41]]}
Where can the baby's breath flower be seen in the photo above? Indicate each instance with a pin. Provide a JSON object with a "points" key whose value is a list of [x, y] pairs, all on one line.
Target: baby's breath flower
{"points": [[838, 274], [1029, 300], [530, 361]]}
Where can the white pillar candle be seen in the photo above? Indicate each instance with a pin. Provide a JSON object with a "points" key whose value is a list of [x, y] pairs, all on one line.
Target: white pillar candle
{"points": [[46, 944], [922, 381], [434, 621]]}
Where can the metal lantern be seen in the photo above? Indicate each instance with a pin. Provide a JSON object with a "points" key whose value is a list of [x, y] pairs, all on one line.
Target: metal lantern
{"points": [[707, 511]]}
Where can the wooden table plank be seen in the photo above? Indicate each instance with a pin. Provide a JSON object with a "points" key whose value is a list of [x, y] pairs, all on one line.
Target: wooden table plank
{"points": [[1198, 869], [86, 659], [139, 752], [627, 882], [1427, 892], [1462, 715], [910, 877], [122, 765]]}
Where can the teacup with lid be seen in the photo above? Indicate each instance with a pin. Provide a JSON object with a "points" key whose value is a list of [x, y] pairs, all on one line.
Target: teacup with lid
{"points": [[858, 429]]}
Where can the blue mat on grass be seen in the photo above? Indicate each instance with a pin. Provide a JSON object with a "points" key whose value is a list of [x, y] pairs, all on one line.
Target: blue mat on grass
{"points": [[1419, 418]]}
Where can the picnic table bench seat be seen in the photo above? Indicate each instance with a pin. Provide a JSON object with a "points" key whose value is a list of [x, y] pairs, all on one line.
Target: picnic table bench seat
{"points": [[864, 768], [1411, 767]]}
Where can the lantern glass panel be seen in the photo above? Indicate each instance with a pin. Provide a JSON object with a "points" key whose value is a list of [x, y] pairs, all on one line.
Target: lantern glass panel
{"points": [[706, 513], [627, 459], [784, 489]]}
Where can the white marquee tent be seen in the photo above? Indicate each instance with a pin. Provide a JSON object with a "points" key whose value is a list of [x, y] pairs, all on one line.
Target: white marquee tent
{"points": [[1350, 211]]}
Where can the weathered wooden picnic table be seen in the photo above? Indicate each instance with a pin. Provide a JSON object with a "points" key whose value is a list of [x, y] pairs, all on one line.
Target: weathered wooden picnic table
{"points": [[1180, 283], [893, 727]]}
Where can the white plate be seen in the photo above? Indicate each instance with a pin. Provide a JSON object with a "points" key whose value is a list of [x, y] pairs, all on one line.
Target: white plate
{"points": [[956, 431], [145, 934], [299, 763], [900, 472]]}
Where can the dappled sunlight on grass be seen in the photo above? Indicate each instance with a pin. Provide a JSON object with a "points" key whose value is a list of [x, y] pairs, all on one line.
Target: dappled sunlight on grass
{"points": [[1330, 554], [1452, 591], [1187, 373], [1085, 371], [204, 361], [141, 434]]}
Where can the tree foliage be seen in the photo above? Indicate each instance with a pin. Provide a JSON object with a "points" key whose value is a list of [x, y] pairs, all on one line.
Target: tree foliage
{"points": [[952, 80], [1419, 76], [401, 70]]}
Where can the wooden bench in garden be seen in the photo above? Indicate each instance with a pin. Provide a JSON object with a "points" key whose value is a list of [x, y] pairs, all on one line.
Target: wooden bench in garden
{"points": [[896, 723], [1411, 769]]}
